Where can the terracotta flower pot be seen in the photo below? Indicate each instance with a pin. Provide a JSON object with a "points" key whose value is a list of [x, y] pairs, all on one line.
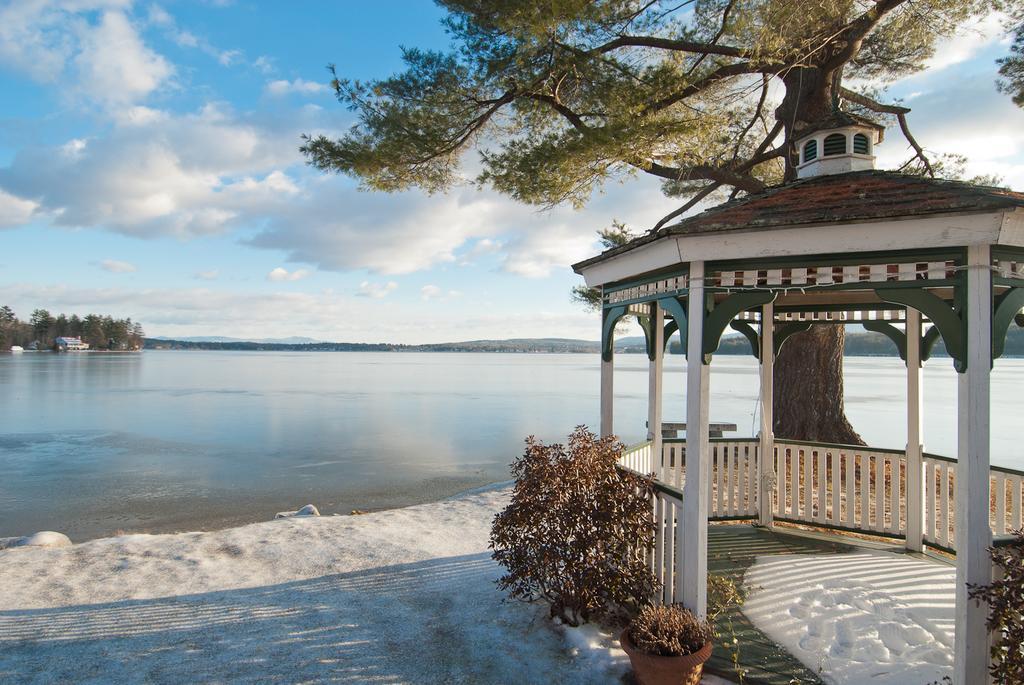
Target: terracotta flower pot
{"points": [[651, 669]]}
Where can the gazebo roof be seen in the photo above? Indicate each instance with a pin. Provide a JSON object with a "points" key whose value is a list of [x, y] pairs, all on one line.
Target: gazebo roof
{"points": [[859, 196]]}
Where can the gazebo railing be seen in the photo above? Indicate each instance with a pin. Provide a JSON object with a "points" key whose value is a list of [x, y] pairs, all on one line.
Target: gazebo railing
{"points": [[666, 559], [1006, 488], [844, 487]]}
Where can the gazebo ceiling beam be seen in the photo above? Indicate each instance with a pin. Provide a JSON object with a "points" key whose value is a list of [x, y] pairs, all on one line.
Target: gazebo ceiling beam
{"points": [[787, 330], [611, 317], [1007, 310], [748, 331], [724, 312], [898, 337]]}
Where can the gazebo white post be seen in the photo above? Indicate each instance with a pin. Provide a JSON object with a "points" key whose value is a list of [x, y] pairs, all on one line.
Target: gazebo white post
{"points": [[692, 535], [915, 481], [654, 393], [973, 534], [766, 454]]}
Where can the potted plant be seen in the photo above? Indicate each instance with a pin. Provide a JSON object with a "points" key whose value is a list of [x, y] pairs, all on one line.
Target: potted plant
{"points": [[667, 645]]}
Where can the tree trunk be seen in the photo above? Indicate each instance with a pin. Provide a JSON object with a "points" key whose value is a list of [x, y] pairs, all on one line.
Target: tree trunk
{"points": [[808, 403]]}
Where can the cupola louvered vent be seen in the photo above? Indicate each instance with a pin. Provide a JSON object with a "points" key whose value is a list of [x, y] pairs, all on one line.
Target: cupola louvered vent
{"points": [[861, 145], [835, 144], [811, 151]]}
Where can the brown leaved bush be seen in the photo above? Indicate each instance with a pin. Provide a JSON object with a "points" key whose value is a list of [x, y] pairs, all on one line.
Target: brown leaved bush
{"points": [[669, 631], [577, 531], [1005, 599]]}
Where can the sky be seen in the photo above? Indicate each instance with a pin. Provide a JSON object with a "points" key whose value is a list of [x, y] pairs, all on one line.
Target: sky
{"points": [[150, 168]]}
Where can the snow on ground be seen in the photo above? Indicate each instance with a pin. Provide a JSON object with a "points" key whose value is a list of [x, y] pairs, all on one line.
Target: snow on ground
{"points": [[867, 618], [406, 595]]}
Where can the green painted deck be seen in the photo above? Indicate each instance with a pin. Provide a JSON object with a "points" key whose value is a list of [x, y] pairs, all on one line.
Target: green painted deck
{"points": [[732, 549]]}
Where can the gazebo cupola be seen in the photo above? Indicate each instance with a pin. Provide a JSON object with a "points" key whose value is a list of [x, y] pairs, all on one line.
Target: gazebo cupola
{"points": [[840, 143]]}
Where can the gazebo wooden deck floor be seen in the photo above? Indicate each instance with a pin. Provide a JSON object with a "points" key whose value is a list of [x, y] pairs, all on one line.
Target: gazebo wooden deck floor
{"points": [[732, 549]]}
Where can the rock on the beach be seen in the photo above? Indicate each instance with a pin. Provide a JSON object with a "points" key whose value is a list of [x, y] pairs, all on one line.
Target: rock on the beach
{"points": [[44, 538], [308, 510]]}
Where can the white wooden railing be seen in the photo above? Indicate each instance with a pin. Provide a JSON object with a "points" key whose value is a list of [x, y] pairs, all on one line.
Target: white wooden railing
{"points": [[845, 487], [1006, 488], [840, 486], [667, 554]]}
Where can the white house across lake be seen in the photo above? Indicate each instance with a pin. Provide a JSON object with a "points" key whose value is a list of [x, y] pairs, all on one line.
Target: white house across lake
{"points": [[70, 344]]}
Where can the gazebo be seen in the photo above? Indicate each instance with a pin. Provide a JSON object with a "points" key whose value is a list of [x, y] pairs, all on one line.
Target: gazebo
{"points": [[914, 258]]}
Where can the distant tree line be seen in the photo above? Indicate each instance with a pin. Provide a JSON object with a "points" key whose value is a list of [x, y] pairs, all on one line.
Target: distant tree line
{"points": [[101, 332]]}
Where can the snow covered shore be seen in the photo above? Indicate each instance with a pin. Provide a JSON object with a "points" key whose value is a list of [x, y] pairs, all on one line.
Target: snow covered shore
{"points": [[405, 595]]}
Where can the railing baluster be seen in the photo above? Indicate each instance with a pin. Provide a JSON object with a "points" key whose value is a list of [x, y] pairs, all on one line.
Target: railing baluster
{"points": [[1016, 511], [944, 505], [808, 461], [929, 512], [879, 492], [999, 487], [820, 513], [865, 491], [894, 493], [780, 480], [851, 497], [753, 488], [732, 454], [836, 461], [794, 482]]}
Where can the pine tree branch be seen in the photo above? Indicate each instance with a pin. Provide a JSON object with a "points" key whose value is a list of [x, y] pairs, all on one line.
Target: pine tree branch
{"points": [[707, 190], [901, 117], [852, 36]]}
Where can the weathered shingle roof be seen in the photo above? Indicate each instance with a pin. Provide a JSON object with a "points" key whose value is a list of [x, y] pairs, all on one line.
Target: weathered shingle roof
{"points": [[858, 196]]}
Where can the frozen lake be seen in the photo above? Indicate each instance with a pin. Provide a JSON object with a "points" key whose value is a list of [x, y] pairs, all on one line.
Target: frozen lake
{"points": [[160, 441]]}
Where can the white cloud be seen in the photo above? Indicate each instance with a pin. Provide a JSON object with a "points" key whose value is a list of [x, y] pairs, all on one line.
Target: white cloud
{"points": [[15, 211], [264, 64], [158, 174], [376, 290], [208, 275], [90, 47], [116, 266], [323, 316], [280, 275], [299, 86], [535, 254], [430, 292], [974, 36], [114, 66]]}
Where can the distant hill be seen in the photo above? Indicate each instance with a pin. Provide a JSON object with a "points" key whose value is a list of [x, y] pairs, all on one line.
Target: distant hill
{"points": [[859, 343], [293, 340]]}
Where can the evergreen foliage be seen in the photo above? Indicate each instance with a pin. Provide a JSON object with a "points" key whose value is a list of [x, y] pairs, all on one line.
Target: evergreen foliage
{"points": [[101, 332]]}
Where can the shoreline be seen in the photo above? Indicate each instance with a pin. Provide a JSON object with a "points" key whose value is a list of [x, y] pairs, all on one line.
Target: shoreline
{"points": [[182, 519]]}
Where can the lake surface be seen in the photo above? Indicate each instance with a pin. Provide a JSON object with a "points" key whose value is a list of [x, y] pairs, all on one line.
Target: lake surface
{"points": [[92, 444]]}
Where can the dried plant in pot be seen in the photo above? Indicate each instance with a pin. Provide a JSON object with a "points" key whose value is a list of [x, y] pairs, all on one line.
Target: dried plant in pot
{"points": [[667, 645]]}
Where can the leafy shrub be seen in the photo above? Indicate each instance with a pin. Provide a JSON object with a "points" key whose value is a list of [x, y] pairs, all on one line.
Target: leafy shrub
{"points": [[577, 531], [1005, 599], [669, 631]]}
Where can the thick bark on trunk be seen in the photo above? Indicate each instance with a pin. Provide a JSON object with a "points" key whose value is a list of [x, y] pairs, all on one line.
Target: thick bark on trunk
{"points": [[808, 403]]}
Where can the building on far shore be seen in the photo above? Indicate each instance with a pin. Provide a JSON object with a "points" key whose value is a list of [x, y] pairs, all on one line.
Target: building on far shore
{"points": [[69, 344]]}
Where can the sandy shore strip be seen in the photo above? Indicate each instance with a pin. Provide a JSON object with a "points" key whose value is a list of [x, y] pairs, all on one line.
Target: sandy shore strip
{"points": [[399, 596]]}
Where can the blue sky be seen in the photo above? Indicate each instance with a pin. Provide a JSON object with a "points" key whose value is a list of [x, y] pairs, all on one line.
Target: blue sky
{"points": [[149, 167]]}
